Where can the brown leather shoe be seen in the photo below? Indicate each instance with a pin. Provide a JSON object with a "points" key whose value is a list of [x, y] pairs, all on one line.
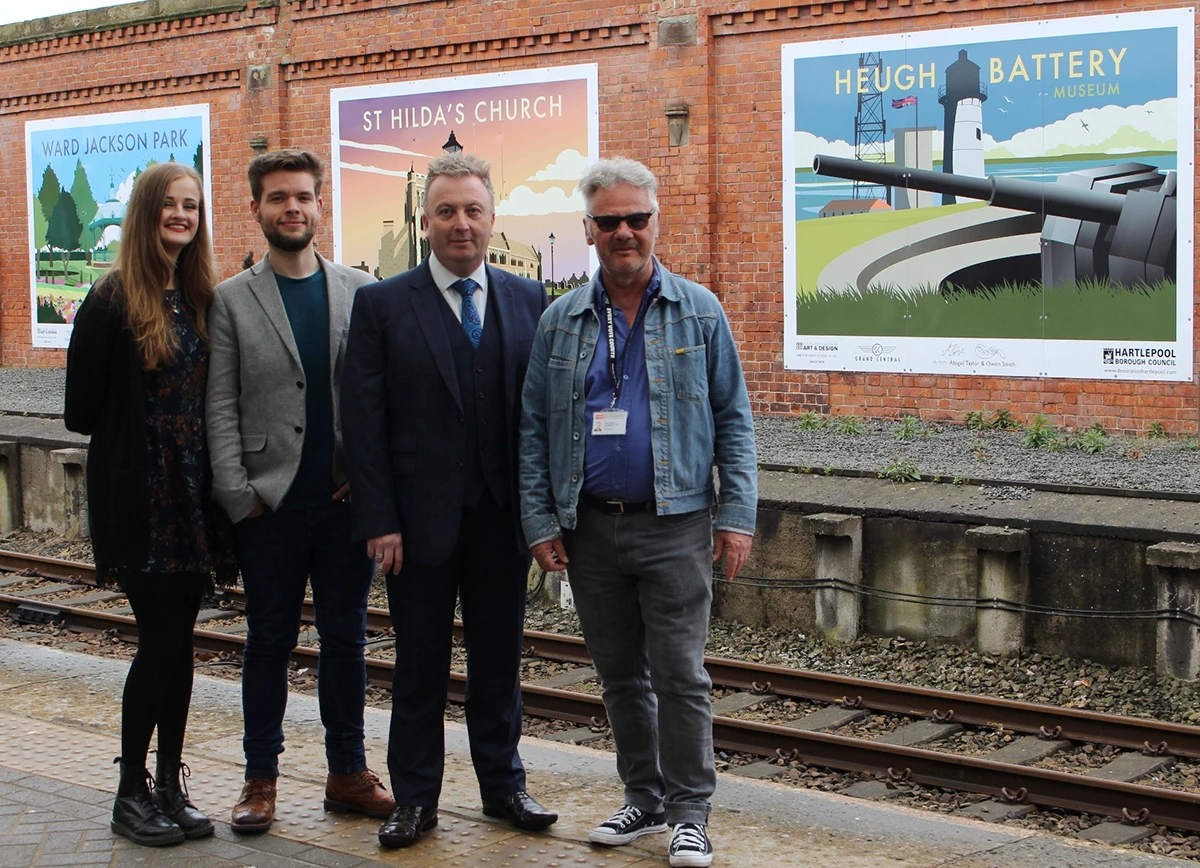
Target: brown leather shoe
{"points": [[255, 810], [360, 792]]}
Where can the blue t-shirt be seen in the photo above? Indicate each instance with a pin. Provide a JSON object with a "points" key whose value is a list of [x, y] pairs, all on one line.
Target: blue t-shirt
{"points": [[307, 304]]}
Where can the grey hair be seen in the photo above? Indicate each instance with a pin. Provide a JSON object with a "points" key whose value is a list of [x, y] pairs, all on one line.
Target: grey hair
{"points": [[458, 166], [618, 170]]}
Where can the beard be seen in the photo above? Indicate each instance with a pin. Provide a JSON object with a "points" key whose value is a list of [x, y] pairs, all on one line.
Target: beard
{"points": [[290, 243]]}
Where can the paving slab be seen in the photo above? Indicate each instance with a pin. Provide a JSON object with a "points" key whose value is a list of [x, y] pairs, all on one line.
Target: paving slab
{"points": [[59, 720]]}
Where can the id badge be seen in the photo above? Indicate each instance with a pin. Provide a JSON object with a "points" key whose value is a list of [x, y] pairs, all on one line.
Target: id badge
{"points": [[609, 422]]}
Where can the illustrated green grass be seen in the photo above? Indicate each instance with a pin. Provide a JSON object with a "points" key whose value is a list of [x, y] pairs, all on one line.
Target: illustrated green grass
{"points": [[1091, 310], [819, 242]]}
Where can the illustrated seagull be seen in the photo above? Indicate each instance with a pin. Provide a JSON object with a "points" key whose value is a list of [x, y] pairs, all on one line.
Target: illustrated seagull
{"points": [[1006, 99], [1085, 126], [1149, 111], [1003, 111]]}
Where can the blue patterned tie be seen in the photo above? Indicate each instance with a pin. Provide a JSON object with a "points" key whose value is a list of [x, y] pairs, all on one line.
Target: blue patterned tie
{"points": [[470, 314]]}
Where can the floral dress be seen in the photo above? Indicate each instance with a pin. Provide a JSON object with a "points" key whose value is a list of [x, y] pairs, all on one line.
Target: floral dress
{"points": [[186, 530]]}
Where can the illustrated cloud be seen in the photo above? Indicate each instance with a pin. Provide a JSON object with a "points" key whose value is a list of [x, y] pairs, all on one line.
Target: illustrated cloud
{"points": [[384, 149], [375, 170], [569, 166], [524, 202]]}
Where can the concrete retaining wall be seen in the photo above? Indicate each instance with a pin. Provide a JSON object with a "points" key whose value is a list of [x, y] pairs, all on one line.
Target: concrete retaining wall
{"points": [[1112, 579]]}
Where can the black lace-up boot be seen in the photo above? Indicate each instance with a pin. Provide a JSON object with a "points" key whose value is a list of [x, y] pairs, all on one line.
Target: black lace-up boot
{"points": [[171, 796], [136, 814]]}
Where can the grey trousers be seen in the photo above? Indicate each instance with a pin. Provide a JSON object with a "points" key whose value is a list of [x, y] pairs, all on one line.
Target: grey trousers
{"points": [[643, 589]]}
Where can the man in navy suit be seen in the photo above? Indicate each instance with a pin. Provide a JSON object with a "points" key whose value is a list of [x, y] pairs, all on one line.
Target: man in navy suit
{"points": [[435, 365]]}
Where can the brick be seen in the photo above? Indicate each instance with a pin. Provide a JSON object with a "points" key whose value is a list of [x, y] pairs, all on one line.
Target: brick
{"points": [[719, 194]]}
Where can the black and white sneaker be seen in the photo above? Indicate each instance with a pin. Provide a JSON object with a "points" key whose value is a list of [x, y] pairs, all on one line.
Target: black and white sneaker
{"points": [[626, 825], [690, 846]]}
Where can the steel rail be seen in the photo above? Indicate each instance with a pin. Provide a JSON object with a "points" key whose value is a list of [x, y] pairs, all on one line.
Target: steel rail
{"points": [[1024, 784], [932, 768], [50, 568], [944, 705], [1069, 723]]}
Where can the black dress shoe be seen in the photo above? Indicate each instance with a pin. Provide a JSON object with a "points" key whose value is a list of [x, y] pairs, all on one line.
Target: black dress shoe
{"points": [[404, 827], [521, 810]]}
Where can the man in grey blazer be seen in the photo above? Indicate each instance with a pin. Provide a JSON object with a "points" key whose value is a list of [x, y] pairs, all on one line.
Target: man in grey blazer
{"points": [[278, 338]]}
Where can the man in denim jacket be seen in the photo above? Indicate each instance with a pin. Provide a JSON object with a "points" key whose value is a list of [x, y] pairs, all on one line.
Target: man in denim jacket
{"points": [[633, 392]]}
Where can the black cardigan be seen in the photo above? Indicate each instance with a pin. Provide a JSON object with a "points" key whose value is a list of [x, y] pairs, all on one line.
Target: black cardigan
{"points": [[105, 398]]}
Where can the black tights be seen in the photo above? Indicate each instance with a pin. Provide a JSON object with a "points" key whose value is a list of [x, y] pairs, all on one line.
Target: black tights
{"points": [[158, 689]]}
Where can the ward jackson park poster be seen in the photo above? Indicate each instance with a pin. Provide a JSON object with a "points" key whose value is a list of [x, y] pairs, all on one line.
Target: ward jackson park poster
{"points": [[1013, 200], [539, 130], [79, 174]]}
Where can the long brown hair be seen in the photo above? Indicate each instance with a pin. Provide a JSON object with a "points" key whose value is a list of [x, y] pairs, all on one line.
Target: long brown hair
{"points": [[144, 268]]}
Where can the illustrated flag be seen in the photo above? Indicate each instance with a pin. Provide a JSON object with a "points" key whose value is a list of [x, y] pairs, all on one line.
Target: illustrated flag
{"points": [[905, 101]]}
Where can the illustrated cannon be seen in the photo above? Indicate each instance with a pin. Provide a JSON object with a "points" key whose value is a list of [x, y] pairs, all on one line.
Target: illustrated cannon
{"points": [[1114, 222]]}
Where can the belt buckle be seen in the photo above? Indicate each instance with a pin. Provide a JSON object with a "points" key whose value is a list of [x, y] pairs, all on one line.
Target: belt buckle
{"points": [[619, 504]]}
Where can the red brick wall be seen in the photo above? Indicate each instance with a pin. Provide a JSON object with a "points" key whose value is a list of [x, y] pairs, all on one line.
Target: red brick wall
{"points": [[720, 191]]}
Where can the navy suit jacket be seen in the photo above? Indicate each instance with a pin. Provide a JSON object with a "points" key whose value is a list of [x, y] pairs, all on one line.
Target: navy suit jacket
{"points": [[402, 415]]}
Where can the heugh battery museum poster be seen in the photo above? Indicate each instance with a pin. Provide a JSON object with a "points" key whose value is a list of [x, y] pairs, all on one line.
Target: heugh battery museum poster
{"points": [[1011, 200]]}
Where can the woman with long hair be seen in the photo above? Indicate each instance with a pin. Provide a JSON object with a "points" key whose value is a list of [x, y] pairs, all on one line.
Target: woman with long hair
{"points": [[137, 370]]}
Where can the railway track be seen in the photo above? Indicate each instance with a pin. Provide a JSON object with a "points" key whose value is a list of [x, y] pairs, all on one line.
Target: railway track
{"points": [[916, 748]]}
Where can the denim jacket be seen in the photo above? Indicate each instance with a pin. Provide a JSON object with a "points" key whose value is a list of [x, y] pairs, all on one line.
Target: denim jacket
{"points": [[700, 411]]}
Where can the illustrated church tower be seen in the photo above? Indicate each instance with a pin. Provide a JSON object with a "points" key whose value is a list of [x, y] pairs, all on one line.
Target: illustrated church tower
{"points": [[963, 99]]}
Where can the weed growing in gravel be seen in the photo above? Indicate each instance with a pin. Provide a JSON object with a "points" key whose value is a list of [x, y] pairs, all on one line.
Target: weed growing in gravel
{"points": [[910, 428], [901, 470], [811, 421], [1002, 420], [1042, 435], [1156, 431], [848, 424], [1091, 441], [979, 451]]}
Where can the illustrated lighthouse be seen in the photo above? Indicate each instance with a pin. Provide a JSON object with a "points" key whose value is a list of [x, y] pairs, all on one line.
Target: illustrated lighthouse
{"points": [[962, 98]]}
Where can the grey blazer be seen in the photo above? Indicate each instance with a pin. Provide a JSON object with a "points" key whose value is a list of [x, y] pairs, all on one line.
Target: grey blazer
{"points": [[255, 410]]}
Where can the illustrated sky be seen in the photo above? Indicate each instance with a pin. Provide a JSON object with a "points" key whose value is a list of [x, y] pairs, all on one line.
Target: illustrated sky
{"points": [[1148, 71]]}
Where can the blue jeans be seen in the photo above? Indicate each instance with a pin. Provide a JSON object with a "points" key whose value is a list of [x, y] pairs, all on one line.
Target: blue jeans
{"points": [[643, 589], [279, 552]]}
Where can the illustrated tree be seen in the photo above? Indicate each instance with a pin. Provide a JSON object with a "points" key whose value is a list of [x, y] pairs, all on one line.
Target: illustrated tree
{"points": [[65, 228], [198, 160], [85, 205], [40, 224], [47, 196]]}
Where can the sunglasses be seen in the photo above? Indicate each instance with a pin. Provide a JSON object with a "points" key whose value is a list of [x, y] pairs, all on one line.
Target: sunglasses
{"points": [[612, 222]]}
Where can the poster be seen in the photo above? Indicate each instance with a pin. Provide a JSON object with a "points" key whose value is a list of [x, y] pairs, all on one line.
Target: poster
{"points": [[79, 174], [539, 130], [1011, 200]]}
